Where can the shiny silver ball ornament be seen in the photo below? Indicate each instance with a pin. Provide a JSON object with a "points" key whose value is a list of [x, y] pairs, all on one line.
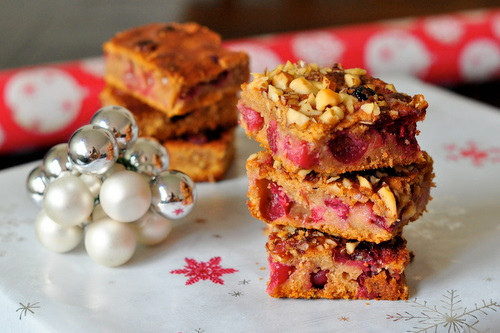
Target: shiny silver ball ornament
{"points": [[56, 163], [118, 121], [54, 236], [68, 201], [174, 194], [36, 183], [125, 196], [109, 242], [147, 156], [152, 228], [92, 149]]}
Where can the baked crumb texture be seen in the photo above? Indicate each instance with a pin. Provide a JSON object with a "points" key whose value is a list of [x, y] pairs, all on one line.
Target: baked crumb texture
{"points": [[182, 86], [341, 175]]}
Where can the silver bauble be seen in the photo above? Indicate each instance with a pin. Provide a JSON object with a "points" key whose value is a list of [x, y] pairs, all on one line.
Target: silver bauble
{"points": [[68, 201], [36, 184], [148, 156], [118, 121], [92, 149], [174, 194], [54, 236], [56, 162], [109, 242]]}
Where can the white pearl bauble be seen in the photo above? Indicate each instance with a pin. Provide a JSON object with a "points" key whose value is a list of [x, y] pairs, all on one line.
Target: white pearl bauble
{"points": [[55, 237], [109, 242], [92, 149], [152, 228], [68, 201], [93, 183], [125, 196], [117, 167], [118, 121], [36, 184], [98, 213]]}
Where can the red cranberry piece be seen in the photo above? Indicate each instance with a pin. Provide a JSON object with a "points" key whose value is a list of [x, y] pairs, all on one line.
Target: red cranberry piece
{"points": [[319, 279], [404, 131], [129, 77], [252, 118], [279, 273], [341, 208], [299, 153], [272, 136], [279, 204], [346, 148], [317, 214]]}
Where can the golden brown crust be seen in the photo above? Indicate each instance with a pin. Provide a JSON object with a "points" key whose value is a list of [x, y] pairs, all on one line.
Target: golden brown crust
{"points": [[154, 123], [370, 206], [202, 162], [174, 67]]}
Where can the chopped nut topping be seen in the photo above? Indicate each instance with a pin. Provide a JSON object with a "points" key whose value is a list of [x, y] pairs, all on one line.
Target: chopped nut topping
{"points": [[370, 108], [252, 157], [295, 117], [328, 117], [302, 173], [347, 183], [332, 179], [276, 164], [327, 97], [363, 182], [274, 93], [389, 200], [390, 87], [355, 71], [409, 211], [350, 247], [302, 86], [348, 101], [331, 242], [282, 80], [352, 80]]}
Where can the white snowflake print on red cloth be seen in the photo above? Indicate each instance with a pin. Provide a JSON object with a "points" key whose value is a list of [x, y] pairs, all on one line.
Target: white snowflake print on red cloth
{"points": [[478, 156], [210, 270]]}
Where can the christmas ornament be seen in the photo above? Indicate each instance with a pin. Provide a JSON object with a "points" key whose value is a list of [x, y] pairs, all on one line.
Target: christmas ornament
{"points": [[118, 121], [173, 194], [36, 183], [147, 156], [108, 187], [92, 149]]}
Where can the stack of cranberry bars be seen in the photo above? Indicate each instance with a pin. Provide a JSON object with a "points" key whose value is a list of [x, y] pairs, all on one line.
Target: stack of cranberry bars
{"points": [[181, 85], [341, 175]]}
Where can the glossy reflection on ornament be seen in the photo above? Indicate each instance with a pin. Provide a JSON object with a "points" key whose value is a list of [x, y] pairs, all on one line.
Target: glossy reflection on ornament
{"points": [[174, 194], [119, 121]]}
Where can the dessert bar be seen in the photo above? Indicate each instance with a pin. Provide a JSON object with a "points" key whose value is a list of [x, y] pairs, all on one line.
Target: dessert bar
{"points": [[330, 119], [154, 123], [370, 205], [173, 67], [205, 157], [306, 263]]}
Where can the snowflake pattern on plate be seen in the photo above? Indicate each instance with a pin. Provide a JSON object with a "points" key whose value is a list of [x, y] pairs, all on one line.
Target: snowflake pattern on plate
{"points": [[451, 316], [210, 270], [471, 151]]}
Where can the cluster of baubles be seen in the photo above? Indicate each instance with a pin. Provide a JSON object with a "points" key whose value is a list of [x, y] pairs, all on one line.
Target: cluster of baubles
{"points": [[110, 188]]}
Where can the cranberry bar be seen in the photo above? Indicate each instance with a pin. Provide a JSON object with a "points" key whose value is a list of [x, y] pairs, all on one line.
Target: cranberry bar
{"points": [[204, 157], [330, 119], [306, 263], [154, 123], [371, 205], [173, 67]]}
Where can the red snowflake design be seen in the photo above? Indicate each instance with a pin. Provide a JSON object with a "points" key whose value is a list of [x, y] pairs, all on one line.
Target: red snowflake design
{"points": [[471, 151], [178, 211], [210, 270]]}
